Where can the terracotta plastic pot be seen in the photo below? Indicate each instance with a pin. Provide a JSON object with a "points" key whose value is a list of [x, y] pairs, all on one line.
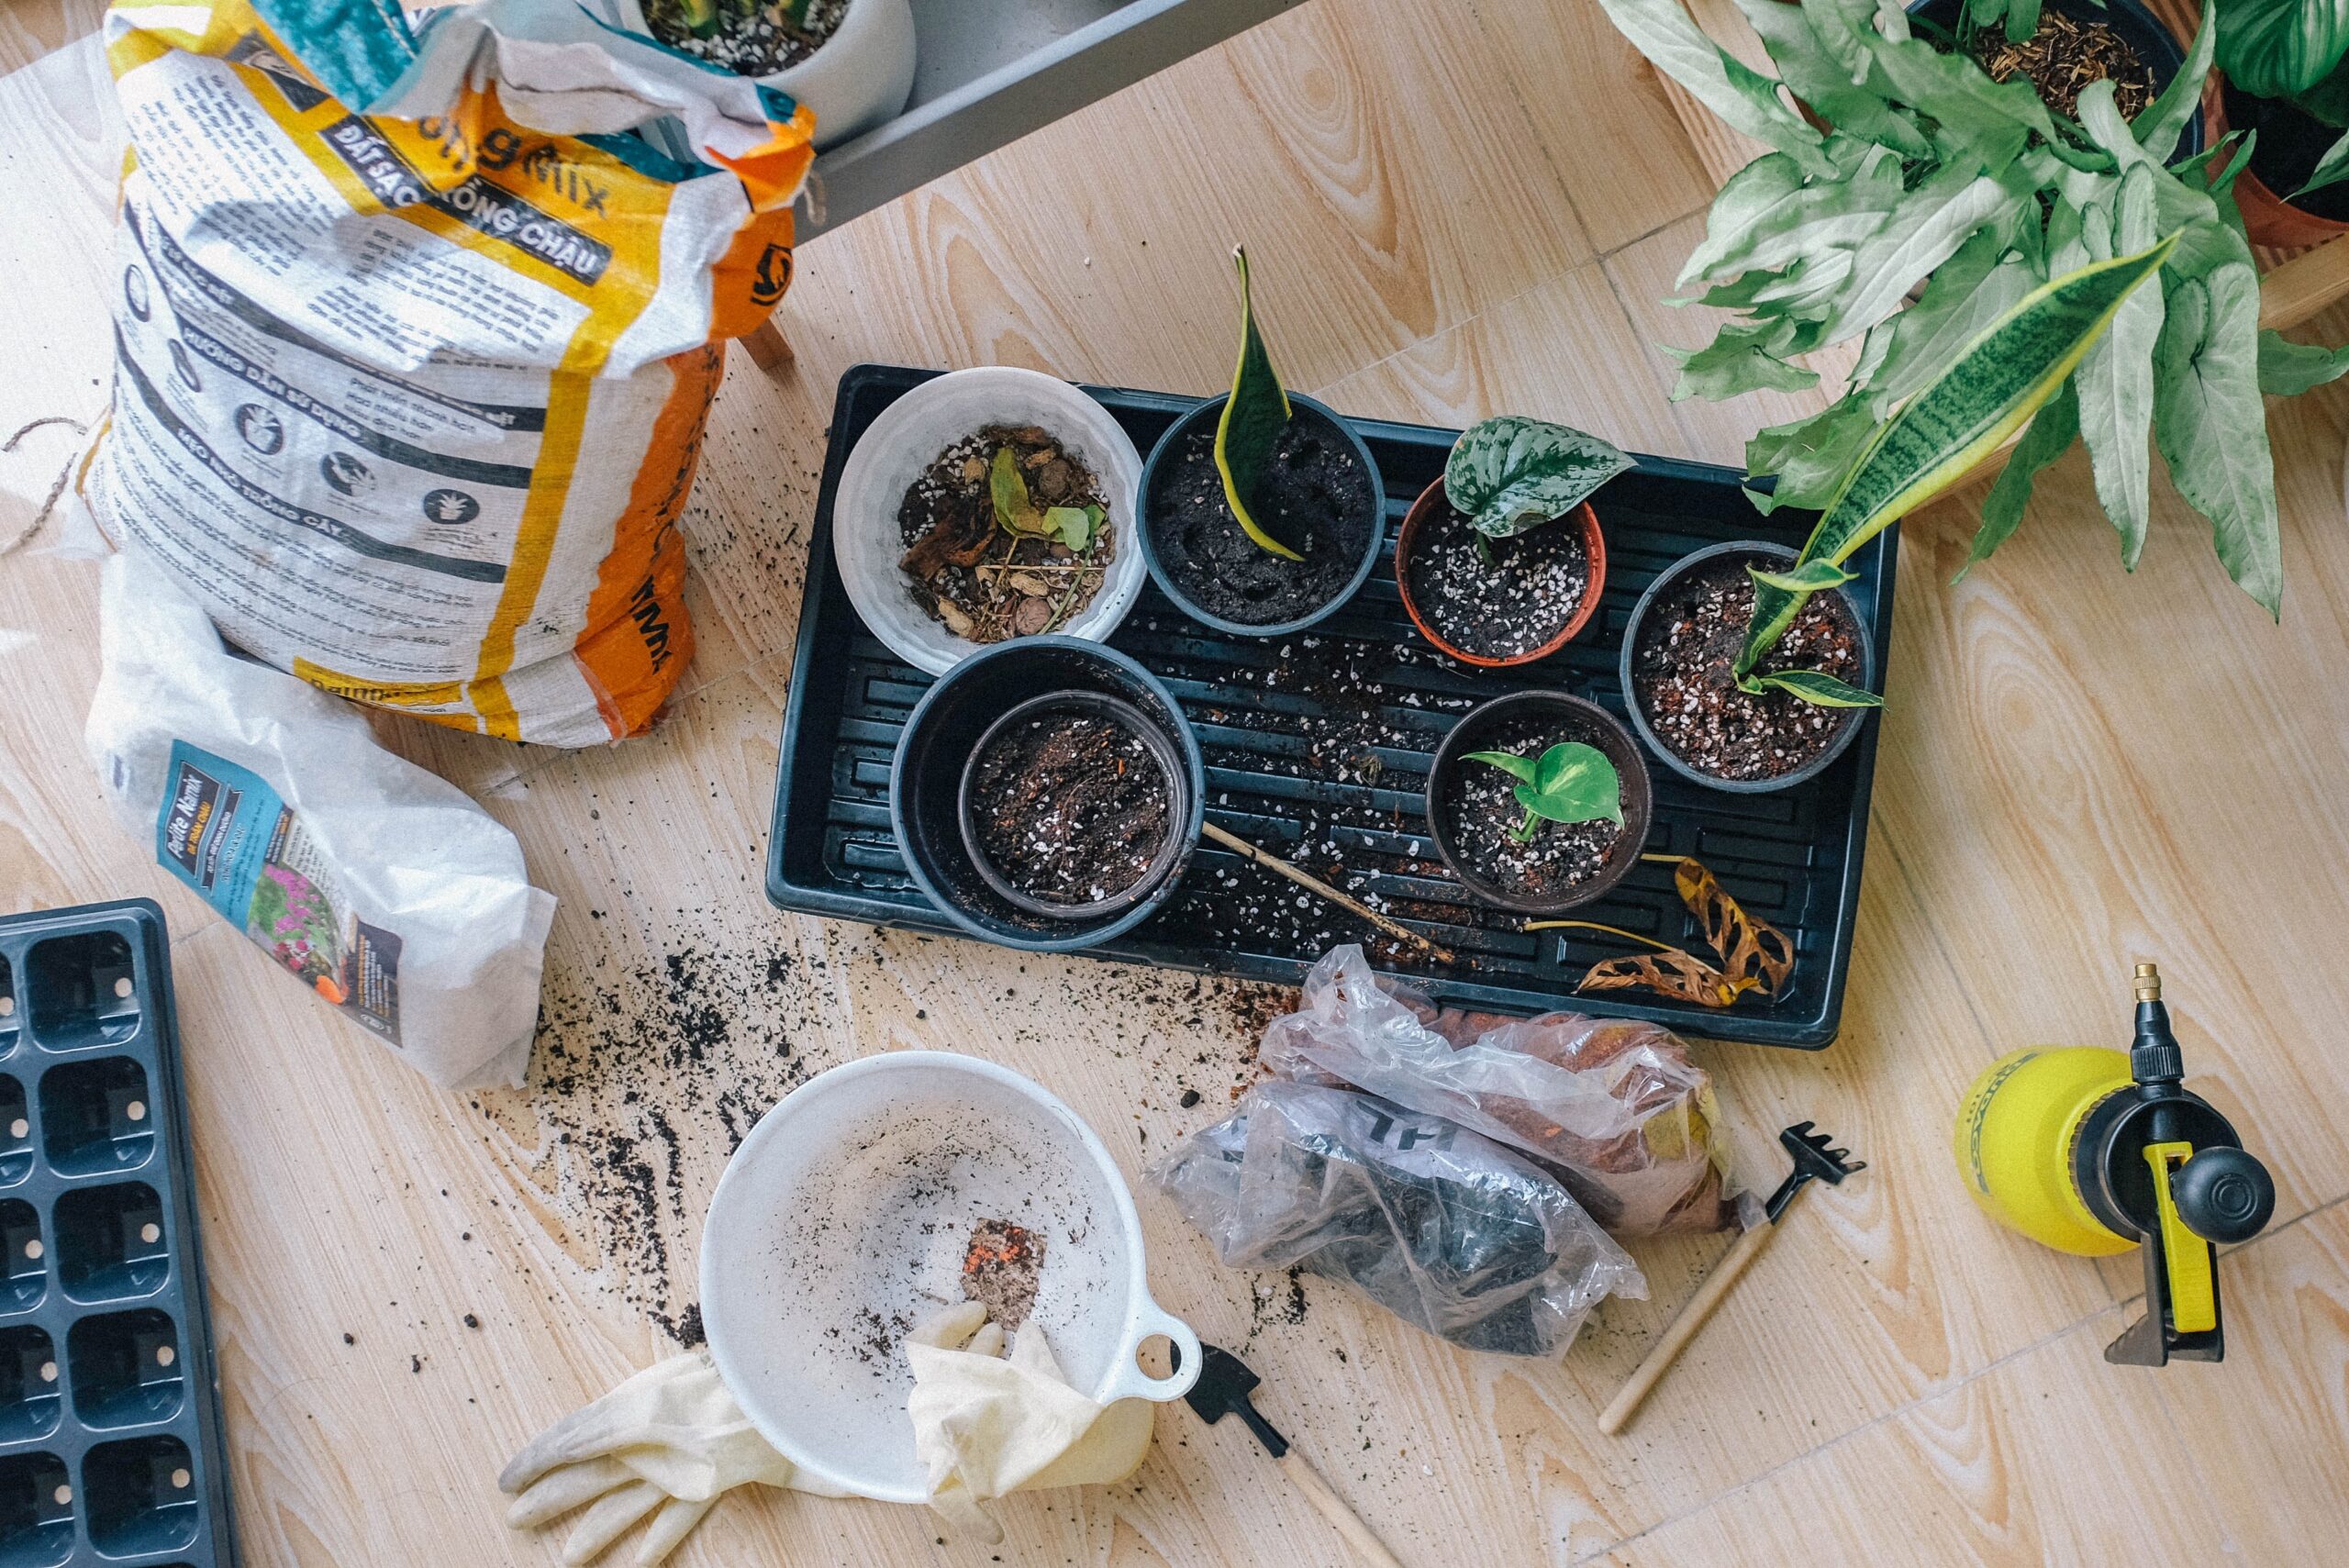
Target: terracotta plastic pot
{"points": [[2267, 218], [1579, 719], [1594, 545]]}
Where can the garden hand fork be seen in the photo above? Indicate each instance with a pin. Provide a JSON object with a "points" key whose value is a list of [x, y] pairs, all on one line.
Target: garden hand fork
{"points": [[1812, 1157]]}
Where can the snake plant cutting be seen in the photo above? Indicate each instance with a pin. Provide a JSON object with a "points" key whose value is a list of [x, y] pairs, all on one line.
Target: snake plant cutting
{"points": [[1250, 424], [1929, 171], [2005, 376]]}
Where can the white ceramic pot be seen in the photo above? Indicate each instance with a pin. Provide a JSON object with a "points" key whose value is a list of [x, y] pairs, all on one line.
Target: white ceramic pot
{"points": [[844, 1219], [908, 438], [861, 76]]}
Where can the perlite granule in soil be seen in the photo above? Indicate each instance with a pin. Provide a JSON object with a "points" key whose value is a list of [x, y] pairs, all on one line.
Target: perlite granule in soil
{"points": [[751, 38], [1070, 808], [1499, 599]]}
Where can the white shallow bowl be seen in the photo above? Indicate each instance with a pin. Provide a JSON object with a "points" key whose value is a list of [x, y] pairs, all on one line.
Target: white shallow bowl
{"points": [[842, 1220], [906, 438]]}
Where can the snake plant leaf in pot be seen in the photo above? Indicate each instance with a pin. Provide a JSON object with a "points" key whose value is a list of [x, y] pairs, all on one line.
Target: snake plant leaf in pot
{"points": [[1262, 511], [1946, 199], [1253, 417], [1983, 395]]}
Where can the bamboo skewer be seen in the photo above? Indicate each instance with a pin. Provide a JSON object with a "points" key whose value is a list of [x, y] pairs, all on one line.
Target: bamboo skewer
{"points": [[1311, 884]]}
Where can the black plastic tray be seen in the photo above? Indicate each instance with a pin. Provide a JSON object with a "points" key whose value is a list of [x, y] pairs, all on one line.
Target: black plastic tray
{"points": [[110, 1448], [1262, 706]]}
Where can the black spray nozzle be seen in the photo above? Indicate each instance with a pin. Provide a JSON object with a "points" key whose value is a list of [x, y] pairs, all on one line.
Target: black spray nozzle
{"points": [[2154, 1056]]}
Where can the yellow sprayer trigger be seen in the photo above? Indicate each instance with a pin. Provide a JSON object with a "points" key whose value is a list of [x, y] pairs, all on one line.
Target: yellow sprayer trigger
{"points": [[2193, 1301]]}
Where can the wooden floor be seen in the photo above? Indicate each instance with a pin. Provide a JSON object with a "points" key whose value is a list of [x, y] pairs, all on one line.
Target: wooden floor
{"points": [[1466, 210]]}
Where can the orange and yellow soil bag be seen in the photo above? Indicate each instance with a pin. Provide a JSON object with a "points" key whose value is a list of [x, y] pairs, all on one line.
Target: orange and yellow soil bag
{"points": [[416, 334]]}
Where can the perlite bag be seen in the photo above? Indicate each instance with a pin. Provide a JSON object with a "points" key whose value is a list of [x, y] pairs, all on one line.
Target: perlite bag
{"points": [[416, 340], [377, 885]]}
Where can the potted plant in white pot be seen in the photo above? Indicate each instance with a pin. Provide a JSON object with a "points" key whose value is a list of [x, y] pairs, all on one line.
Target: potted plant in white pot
{"points": [[851, 61]]}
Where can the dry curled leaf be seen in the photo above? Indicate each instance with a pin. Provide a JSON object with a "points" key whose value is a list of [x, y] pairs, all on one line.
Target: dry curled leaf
{"points": [[1751, 949], [1680, 975]]}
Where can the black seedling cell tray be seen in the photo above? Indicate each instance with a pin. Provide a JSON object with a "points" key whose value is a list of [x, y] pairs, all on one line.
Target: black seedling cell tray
{"points": [[1318, 746], [110, 1449]]}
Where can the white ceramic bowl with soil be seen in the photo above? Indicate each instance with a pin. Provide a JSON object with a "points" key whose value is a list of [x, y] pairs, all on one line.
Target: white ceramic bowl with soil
{"points": [[1472, 806], [1534, 594], [909, 436], [946, 743], [859, 74], [1321, 485], [845, 1218], [1683, 638]]}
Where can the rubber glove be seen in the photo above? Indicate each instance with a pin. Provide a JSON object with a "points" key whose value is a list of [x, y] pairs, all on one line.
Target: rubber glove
{"points": [[985, 1425], [663, 1444]]}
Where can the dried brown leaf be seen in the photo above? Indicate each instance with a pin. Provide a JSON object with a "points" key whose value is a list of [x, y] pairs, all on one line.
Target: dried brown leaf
{"points": [[1673, 972], [1751, 949]]}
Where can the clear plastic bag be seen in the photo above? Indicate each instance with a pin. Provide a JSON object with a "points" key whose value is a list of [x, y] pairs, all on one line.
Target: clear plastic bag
{"points": [[1446, 1230], [1614, 1107]]}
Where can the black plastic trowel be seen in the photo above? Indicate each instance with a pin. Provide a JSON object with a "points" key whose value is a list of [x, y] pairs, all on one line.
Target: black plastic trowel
{"points": [[1225, 1383]]}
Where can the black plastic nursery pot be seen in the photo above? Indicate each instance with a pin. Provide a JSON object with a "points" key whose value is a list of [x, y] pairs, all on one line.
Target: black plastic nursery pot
{"points": [[1552, 716], [1736, 554], [1202, 560], [2145, 34], [946, 731]]}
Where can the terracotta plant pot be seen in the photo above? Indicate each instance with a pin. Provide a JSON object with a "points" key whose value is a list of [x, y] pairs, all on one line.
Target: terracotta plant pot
{"points": [[1594, 552], [2267, 218], [1576, 719]]}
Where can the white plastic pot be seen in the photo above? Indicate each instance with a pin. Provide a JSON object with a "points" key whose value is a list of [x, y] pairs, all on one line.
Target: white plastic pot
{"points": [[844, 1219], [861, 76], [906, 438]]}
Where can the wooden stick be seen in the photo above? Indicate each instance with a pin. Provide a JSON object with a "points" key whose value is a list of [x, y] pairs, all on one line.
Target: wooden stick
{"points": [[1332, 1506], [768, 348], [1393, 927], [1684, 1328]]}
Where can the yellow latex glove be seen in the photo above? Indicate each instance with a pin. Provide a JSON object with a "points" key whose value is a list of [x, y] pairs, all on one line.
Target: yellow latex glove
{"points": [[987, 1424], [664, 1444]]}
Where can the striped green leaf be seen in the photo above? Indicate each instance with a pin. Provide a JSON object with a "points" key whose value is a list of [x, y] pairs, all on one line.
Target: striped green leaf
{"points": [[1815, 686], [1253, 417], [1981, 398], [1510, 473]]}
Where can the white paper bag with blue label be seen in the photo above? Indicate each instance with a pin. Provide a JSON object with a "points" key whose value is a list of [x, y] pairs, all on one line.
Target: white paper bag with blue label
{"points": [[383, 888]]}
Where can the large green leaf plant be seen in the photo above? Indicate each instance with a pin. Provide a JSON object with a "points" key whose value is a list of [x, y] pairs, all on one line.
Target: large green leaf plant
{"points": [[1929, 171]]}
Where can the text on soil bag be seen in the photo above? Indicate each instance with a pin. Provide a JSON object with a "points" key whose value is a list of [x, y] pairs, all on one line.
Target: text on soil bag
{"points": [[474, 202]]}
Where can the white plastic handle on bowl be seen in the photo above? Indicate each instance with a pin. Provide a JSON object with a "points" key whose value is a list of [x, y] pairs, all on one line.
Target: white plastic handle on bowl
{"points": [[1129, 1381]]}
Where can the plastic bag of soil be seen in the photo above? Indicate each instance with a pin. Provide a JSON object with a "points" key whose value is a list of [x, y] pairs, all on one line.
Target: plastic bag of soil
{"points": [[1445, 1229], [1616, 1109]]}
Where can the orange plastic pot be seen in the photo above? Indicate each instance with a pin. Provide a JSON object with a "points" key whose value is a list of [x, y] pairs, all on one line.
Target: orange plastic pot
{"points": [[1594, 544], [2267, 218]]}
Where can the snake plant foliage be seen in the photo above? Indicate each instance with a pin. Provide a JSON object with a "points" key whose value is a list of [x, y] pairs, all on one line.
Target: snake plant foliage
{"points": [[1932, 172]]}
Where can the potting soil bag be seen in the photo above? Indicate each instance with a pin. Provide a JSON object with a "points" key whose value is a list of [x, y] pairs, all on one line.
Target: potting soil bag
{"points": [[416, 342], [1446, 1230], [1615, 1107], [379, 886]]}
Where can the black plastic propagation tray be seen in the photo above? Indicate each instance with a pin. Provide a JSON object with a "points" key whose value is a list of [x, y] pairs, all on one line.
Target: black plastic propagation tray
{"points": [[110, 1448], [1318, 746]]}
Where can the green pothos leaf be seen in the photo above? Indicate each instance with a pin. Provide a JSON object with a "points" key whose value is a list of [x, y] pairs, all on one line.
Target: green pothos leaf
{"points": [[1518, 768], [1511, 474], [1074, 525], [1251, 425], [1570, 782]]}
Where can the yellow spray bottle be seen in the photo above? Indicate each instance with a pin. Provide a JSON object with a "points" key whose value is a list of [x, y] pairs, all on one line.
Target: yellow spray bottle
{"points": [[2094, 1151]]}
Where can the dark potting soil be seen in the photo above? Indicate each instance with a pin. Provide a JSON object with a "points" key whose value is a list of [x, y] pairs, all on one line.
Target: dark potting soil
{"points": [[979, 579], [2289, 145], [1531, 588], [754, 37], [2063, 57], [1680, 676], [1315, 488], [1070, 808], [1480, 801]]}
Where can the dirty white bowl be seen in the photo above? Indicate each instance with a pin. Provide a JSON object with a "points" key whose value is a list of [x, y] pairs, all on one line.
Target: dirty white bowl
{"points": [[861, 76], [906, 438], [842, 1220]]}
